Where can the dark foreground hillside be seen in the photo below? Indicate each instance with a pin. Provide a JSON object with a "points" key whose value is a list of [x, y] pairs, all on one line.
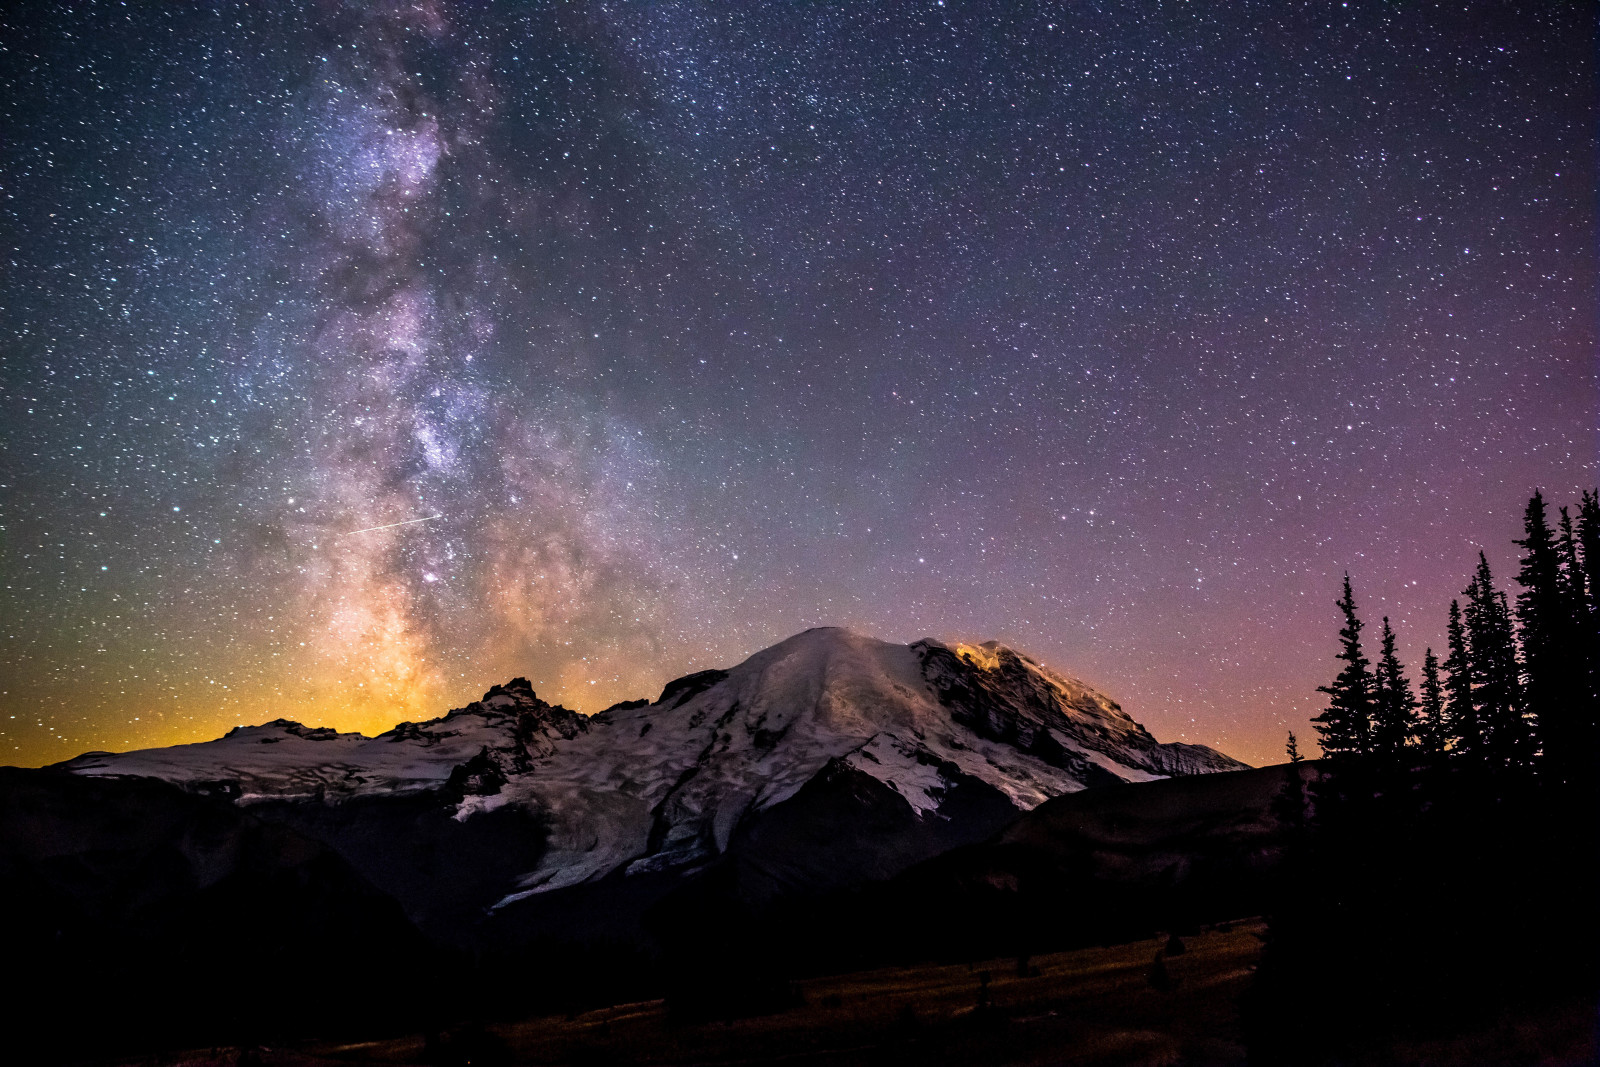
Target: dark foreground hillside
{"points": [[139, 915], [149, 918], [1423, 903], [158, 917], [1092, 1007], [1110, 864]]}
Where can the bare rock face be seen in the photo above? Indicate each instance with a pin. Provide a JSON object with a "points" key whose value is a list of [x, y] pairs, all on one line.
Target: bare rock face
{"points": [[1006, 696], [929, 745]]}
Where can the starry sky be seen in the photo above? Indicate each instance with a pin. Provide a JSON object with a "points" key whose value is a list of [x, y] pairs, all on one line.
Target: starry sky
{"points": [[1114, 331]]}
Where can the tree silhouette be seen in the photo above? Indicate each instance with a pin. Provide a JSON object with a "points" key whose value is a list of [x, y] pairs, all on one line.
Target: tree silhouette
{"points": [[1432, 730], [1496, 674], [1345, 727], [1461, 714], [1584, 578], [1289, 805], [1394, 713], [1589, 543], [1398, 849], [1547, 624], [1584, 647]]}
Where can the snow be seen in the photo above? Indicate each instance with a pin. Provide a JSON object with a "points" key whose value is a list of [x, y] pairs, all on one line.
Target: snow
{"points": [[664, 786], [285, 759], [903, 768]]}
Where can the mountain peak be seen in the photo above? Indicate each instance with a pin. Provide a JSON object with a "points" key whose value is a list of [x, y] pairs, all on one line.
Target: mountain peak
{"points": [[923, 727], [268, 732], [518, 688]]}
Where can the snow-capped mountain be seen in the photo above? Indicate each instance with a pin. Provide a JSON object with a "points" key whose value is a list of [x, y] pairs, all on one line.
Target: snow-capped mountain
{"points": [[507, 732], [943, 743]]}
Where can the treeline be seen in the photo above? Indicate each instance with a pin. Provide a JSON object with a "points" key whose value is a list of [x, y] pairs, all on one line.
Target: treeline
{"points": [[1441, 871], [1517, 691]]}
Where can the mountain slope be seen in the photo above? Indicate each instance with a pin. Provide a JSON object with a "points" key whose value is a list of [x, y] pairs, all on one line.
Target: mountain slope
{"points": [[665, 785], [1099, 865], [827, 759], [510, 727]]}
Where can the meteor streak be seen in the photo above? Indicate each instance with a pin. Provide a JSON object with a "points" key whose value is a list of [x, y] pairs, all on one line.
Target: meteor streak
{"points": [[392, 525]]}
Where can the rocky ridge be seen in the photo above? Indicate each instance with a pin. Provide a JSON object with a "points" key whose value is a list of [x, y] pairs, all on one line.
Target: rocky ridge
{"points": [[940, 740]]}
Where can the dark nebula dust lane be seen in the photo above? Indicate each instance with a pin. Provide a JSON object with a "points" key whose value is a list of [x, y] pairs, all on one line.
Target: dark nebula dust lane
{"points": [[355, 356]]}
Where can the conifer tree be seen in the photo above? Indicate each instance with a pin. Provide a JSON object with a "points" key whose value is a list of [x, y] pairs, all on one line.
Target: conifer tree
{"points": [[1394, 713], [1495, 672], [1589, 542], [1432, 730], [1572, 576], [1518, 744], [1465, 733], [1547, 628], [1289, 805], [1586, 579], [1345, 727], [1573, 582], [1579, 550]]}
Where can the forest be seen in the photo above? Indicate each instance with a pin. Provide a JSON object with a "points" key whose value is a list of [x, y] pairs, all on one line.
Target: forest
{"points": [[1443, 867]]}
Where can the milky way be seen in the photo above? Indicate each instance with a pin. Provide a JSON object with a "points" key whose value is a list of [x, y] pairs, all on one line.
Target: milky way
{"points": [[358, 356]]}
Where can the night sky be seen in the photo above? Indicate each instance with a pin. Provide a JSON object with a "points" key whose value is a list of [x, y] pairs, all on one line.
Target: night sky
{"points": [[1113, 331]]}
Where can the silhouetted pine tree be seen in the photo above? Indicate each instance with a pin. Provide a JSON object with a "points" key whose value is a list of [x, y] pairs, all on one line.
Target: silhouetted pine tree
{"points": [[1389, 860], [1345, 727], [1573, 581], [1567, 553], [1495, 673], [1394, 712], [1289, 805], [1579, 554], [1432, 730], [1547, 624], [1587, 579], [1589, 543], [1465, 733]]}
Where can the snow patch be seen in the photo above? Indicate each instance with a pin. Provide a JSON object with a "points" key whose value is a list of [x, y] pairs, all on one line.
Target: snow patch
{"points": [[666, 785]]}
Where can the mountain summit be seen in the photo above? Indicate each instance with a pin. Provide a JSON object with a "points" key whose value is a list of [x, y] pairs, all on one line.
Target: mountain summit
{"points": [[832, 755]]}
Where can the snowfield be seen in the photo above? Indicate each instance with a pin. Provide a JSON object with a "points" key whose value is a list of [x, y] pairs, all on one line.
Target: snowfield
{"points": [[665, 786]]}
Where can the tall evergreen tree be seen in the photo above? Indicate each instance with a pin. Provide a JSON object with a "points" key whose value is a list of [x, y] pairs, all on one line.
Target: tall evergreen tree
{"points": [[1589, 542], [1432, 730], [1572, 576], [1496, 672], [1518, 743], [1579, 550], [1465, 733], [1585, 636], [1394, 711], [1586, 579], [1345, 726], [1547, 629], [1573, 579]]}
